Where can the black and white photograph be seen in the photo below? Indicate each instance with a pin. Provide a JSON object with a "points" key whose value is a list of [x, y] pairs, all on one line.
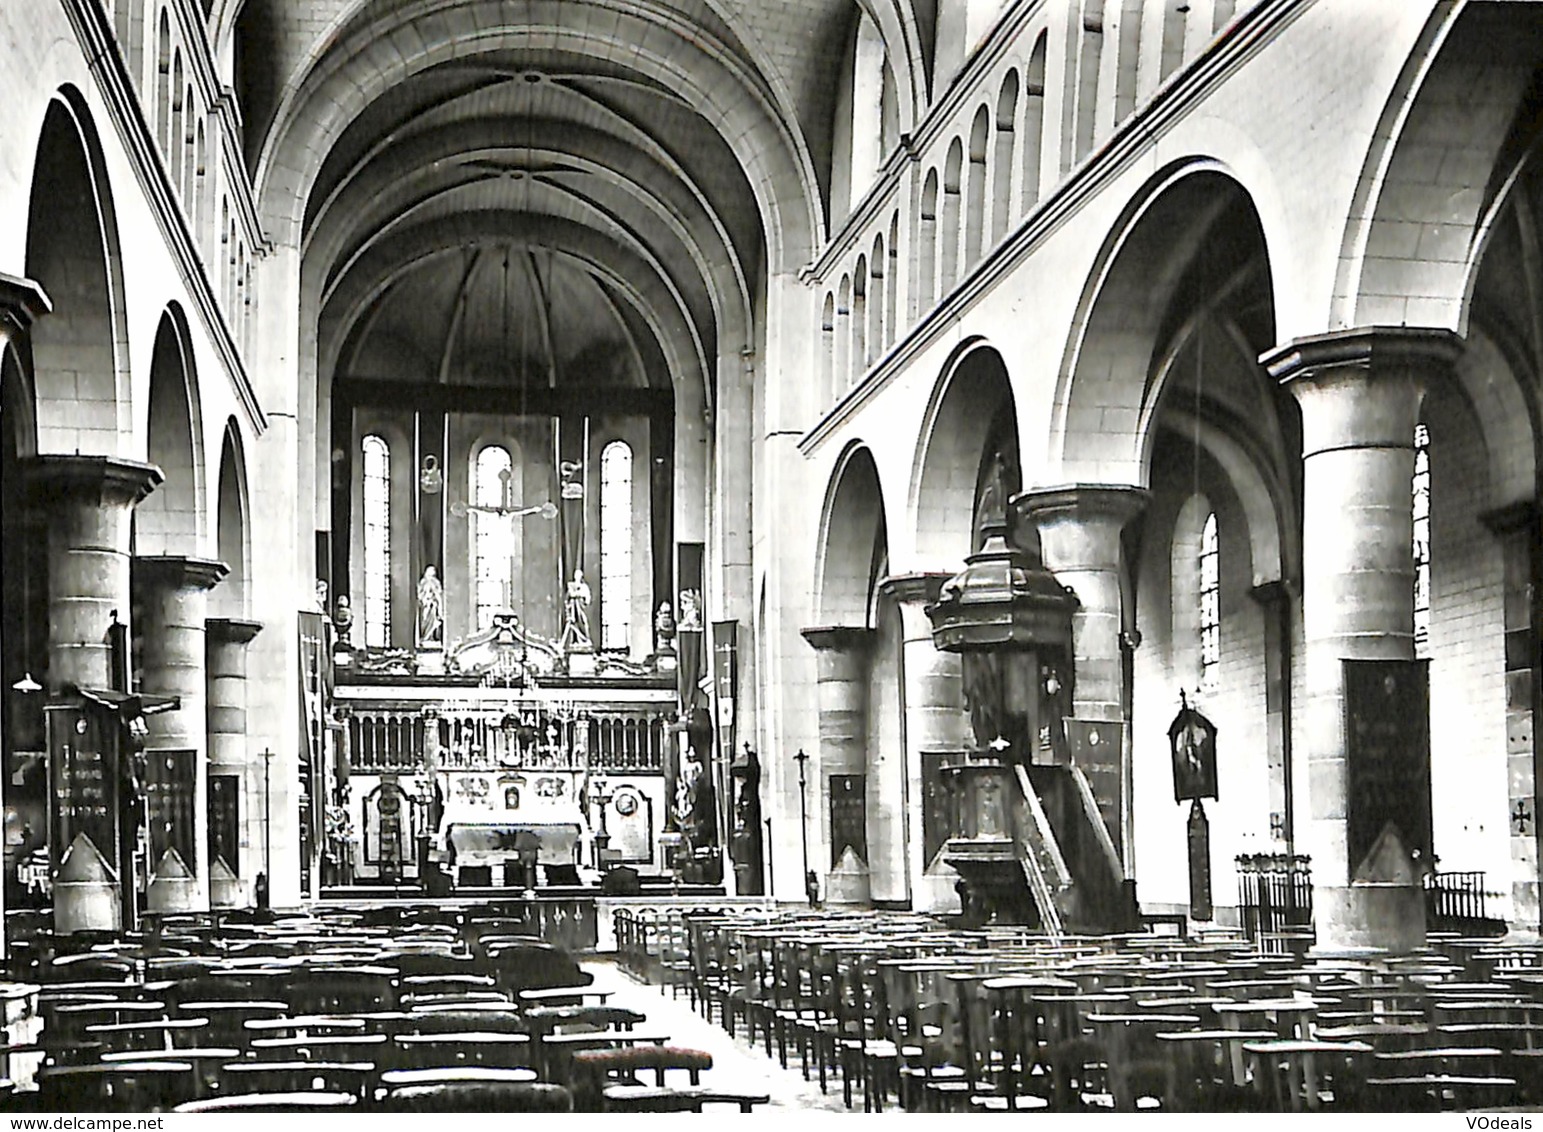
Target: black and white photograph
{"points": [[763, 557]]}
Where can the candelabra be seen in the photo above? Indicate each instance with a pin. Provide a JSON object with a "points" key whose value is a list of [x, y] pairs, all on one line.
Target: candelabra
{"points": [[602, 835]]}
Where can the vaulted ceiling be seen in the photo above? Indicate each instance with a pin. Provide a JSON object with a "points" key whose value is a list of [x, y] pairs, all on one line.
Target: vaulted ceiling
{"points": [[543, 190]]}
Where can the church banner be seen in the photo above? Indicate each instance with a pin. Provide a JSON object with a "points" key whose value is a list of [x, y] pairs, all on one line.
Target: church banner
{"points": [[725, 707], [315, 701]]}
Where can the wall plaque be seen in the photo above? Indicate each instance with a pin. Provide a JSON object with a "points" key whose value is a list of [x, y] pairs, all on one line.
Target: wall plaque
{"points": [[848, 816], [225, 820], [1387, 747], [170, 779], [83, 774]]}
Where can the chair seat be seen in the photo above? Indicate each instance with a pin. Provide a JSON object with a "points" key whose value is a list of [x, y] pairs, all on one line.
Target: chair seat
{"points": [[650, 1098]]}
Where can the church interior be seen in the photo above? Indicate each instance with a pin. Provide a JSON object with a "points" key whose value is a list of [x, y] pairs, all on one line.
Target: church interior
{"points": [[986, 553]]}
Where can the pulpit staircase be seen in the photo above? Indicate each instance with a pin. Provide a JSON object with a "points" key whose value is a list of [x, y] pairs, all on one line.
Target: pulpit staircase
{"points": [[1056, 867]]}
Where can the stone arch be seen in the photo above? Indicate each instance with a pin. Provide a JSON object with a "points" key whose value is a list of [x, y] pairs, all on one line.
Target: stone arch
{"points": [[1428, 181], [1003, 156], [905, 55], [879, 284], [892, 288], [80, 352], [233, 540], [172, 519], [859, 320], [976, 189], [1033, 121], [927, 244], [23, 560], [973, 394], [844, 335], [163, 81], [1192, 230], [949, 223], [853, 541], [828, 352]]}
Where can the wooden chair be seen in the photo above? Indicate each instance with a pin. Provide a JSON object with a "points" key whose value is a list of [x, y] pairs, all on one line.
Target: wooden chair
{"points": [[273, 1102], [477, 1097], [351, 1077], [123, 1086]]}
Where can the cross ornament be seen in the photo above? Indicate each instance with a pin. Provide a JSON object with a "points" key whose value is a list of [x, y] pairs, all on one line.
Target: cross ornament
{"points": [[1521, 816]]}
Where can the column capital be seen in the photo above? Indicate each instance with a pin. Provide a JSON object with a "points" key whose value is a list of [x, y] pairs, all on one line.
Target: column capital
{"points": [[837, 638], [231, 630], [920, 588], [1362, 388], [22, 302], [1080, 502], [1368, 349], [105, 480], [1513, 518], [180, 572]]}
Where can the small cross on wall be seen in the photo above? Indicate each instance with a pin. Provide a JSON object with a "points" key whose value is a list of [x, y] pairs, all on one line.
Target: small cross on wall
{"points": [[1521, 816]]}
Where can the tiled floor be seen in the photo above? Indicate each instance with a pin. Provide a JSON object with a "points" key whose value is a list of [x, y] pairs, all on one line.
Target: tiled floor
{"points": [[735, 1064]]}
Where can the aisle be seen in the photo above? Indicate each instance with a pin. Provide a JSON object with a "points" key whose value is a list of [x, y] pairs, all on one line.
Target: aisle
{"points": [[735, 1064]]}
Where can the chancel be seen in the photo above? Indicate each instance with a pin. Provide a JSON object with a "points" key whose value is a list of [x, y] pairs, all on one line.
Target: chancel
{"points": [[991, 549]]}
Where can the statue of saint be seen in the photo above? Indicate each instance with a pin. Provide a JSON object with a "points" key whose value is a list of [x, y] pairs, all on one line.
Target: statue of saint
{"points": [[691, 609], [664, 628], [431, 608], [576, 613]]}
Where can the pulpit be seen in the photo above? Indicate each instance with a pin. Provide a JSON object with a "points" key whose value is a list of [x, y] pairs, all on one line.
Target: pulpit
{"points": [[1027, 838]]}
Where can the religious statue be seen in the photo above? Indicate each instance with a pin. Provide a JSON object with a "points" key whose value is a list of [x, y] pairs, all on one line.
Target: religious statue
{"points": [[321, 594], [343, 618], [431, 608], [691, 610], [664, 628], [576, 613]]}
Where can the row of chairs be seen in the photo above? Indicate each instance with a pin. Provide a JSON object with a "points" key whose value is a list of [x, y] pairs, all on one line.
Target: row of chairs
{"points": [[900, 1007], [431, 1013]]}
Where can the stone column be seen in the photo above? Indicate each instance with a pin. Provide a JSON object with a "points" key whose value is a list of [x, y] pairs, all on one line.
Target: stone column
{"points": [[843, 704], [1359, 392], [932, 695], [1519, 529], [89, 500], [21, 302], [174, 600], [225, 642], [1079, 527]]}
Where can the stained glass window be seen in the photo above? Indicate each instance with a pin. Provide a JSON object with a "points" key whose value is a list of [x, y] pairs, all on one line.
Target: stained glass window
{"points": [[1421, 503], [615, 545], [1210, 605], [492, 535], [377, 542]]}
